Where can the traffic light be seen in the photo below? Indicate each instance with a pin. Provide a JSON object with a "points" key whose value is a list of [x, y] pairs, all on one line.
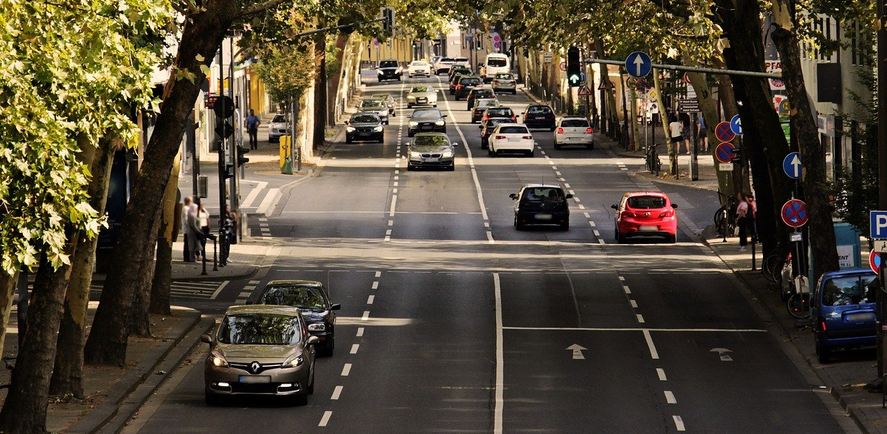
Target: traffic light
{"points": [[224, 110], [241, 159], [574, 67], [480, 42], [229, 170], [388, 19]]}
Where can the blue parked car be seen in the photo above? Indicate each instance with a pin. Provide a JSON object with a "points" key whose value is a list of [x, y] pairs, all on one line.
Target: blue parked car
{"points": [[844, 311]]}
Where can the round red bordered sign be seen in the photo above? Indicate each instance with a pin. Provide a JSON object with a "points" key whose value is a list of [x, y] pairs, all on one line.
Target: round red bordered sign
{"points": [[794, 213]]}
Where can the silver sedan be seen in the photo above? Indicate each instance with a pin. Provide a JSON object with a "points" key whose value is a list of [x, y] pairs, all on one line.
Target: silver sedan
{"points": [[422, 96]]}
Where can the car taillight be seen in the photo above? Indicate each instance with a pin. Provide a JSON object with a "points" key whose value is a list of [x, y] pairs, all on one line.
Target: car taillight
{"points": [[588, 130], [514, 118], [560, 130], [458, 86], [527, 137], [500, 137], [669, 213], [485, 118], [627, 214], [822, 323]]}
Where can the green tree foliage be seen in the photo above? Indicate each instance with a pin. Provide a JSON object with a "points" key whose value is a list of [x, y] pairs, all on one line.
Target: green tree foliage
{"points": [[287, 70], [73, 70]]}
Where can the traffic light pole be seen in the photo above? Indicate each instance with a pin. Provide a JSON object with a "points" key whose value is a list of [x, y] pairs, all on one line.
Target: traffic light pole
{"points": [[234, 183], [691, 69], [223, 171]]}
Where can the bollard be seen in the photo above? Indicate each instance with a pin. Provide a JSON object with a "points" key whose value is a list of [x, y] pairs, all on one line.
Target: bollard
{"points": [[215, 262], [203, 257], [753, 244]]}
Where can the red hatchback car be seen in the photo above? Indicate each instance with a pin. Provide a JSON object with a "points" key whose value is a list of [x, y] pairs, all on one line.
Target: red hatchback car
{"points": [[646, 213]]}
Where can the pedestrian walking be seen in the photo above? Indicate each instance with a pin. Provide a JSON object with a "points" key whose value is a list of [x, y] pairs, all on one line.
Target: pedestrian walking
{"points": [[676, 132], [700, 133], [228, 222], [743, 214], [195, 238], [203, 223], [188, 208], [252, 127], [751, 217], [686, 131]]}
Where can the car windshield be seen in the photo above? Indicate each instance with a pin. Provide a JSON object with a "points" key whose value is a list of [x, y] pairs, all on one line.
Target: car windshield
{"points": [[278, 119], [483, 103], [461, 59], [842, 291], [259, 329], [434, 141], [371, 103], [426, 114], [500, 111], [483, 93], [470, 81], [492, 122], [418, 64], [364, 119], [539, 194], [419, 89], [446, 59], [514, 130], [574, 123], [496, 62], [388, 64], [301, 296], [504, 77], [536, 109], [646, 202]]}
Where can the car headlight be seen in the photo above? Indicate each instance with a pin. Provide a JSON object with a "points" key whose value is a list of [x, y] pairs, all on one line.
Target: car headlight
{"points": [[349, 129], [415, 155], [411, 98], [383, 112], [317, 327], [294, 361], [378, 129], [440, 123], [218, 359], [447, 154], [379, 72], [414, 124]]}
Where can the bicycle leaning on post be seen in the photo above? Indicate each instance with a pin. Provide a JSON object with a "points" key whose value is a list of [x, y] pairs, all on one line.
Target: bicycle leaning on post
{"points": [[652, 163], [725, 216]]}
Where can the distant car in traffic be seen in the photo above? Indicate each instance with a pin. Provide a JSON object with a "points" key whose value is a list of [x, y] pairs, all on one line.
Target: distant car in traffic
{"points": [[646, 214], [499, 112], [481, 106], [573, 130], [464, 70], [495, 64], [444, 64], [260, 350], [844, 311], [422, 96], [465, 84], [389, 101], [431, 150], [539, 116], [511, 138], [541, 204], [313, 300], [364, 126], [277, 128], [376, 107], [504, 83], [478, 93], [418, 68], [389, 69], [486, 128], [427, 119]]}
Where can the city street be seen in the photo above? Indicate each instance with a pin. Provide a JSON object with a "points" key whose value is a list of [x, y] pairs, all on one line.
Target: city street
{"points": [[453, 321]]}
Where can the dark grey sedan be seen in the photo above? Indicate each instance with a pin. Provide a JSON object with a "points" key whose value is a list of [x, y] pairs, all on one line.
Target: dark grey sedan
{"points": [[431, 150], [430, 120], [312, 299], [364, 126]]}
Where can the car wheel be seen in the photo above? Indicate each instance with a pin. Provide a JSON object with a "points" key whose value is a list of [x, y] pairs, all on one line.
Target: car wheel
{"points": [[517, 225], [212, 399], [349, 140], [671, 239], [300, 399], [381, 139], [490, 151], [457, 97], [398, 78], [452, 168], [591, 146], [557, 146], [409, 106], [565, 226], [824, 354], [514, 92], [410, 134], [473, 121], [552, 128], [619, 238], [531, 154], [386, 122]]}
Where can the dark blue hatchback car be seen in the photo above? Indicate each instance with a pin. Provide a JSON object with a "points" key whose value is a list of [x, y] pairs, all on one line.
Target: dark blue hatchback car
{"points": [[844, 311]]}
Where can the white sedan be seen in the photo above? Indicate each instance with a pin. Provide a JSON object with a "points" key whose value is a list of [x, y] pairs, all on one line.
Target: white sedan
{"points": [[422, 96], [417, 68], [511, 138], [573, 130]]}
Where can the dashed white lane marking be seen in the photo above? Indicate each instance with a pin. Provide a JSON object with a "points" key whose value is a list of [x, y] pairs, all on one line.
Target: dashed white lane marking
{"points": [[653, 353], [622, 278], [370, 299], [346, 370], [566, 185], [376, 285], [244, 294], [359, 331], [661, 373], [640, 319], [678, 423], [596, 233], [326, 418], [588, 217], [634, 304], [378, 274], [581, 206], [556, 172], [669, 397], [354, 348], [366, 316], [390, 222], [336, 393], [626, 290]]}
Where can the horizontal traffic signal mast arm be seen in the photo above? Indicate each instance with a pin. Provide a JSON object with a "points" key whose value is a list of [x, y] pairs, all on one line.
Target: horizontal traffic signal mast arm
{"points": [[692, 69]]}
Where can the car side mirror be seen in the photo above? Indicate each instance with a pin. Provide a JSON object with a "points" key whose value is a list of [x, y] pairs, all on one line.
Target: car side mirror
{"points": [[347, 123], [568, 196], [674, 205], [480, 127], [513, 196], [336, 306], [206, 338], [313, 340], [443, 116], [614, 207]]}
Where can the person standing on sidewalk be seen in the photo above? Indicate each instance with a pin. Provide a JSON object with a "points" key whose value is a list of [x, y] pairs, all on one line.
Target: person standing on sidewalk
{"points": [[700, 133], [203, 223], [676, 132], [252, 127], [187, 209], [750, 217], [742, 213], [686, 131]]}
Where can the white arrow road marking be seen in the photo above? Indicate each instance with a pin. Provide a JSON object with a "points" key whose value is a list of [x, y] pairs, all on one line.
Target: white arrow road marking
{"points": [[577, 351], [722, 352]]}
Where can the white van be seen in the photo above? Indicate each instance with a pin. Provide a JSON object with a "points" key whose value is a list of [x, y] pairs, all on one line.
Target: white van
{"points": [[496, 63]]}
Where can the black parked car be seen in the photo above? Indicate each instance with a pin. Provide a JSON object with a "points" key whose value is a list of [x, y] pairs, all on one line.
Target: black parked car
{"points": [[389, 70], [364, 126], [486, 128], [539, 116], [427, 120], [465, 84], [312, 299], [541, 204]]}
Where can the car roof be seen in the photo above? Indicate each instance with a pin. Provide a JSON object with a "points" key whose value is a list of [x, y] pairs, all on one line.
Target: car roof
{"points": [[646, 193], [848, 273], [512, 125], [542, 186], [293, 282], [272, 309], [431, 134]]}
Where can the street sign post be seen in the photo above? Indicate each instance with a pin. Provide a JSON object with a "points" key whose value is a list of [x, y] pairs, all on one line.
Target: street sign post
{"points": [[878, 225], [792, 166], [736, 125], [584, 91], [638, 64], [724, 132], [724, 152], [794, 213]]}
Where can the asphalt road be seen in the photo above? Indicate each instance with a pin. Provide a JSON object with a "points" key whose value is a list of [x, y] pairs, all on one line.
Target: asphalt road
{"points": [[452, 321]]}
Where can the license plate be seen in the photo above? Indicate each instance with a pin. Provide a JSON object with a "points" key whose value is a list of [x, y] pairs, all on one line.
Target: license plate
{"points": [[543, 216], [860, 317], [648, 228], [421, 100], [254, 379], [514, 139], [427, 127], [431, 160]]}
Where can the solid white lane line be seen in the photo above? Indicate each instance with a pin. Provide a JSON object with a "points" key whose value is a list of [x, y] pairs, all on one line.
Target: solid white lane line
{"points": [[359, 331], [354, 348], [366, 316], [325, 419], [370, 299], [678, 423], [640, 319], [669, 397], [376, 285], [653, 353], [219, 289], [661, 373], [500, 359], [336, 393], [346, 370], [631, 329]]}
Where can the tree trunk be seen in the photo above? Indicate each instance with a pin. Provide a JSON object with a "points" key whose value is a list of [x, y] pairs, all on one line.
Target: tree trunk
{"points": [[8, 283], [24, 410], [67, 375], [821, 229], [137, 238], [140, 318], [709, 108], [664, 118], [167, 234], [336, 79], [320, 91]]}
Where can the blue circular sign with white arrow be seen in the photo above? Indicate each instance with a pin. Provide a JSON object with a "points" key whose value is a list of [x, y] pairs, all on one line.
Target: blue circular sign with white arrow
{"points": [[792, 166], [638, 64], [736, 125]]}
